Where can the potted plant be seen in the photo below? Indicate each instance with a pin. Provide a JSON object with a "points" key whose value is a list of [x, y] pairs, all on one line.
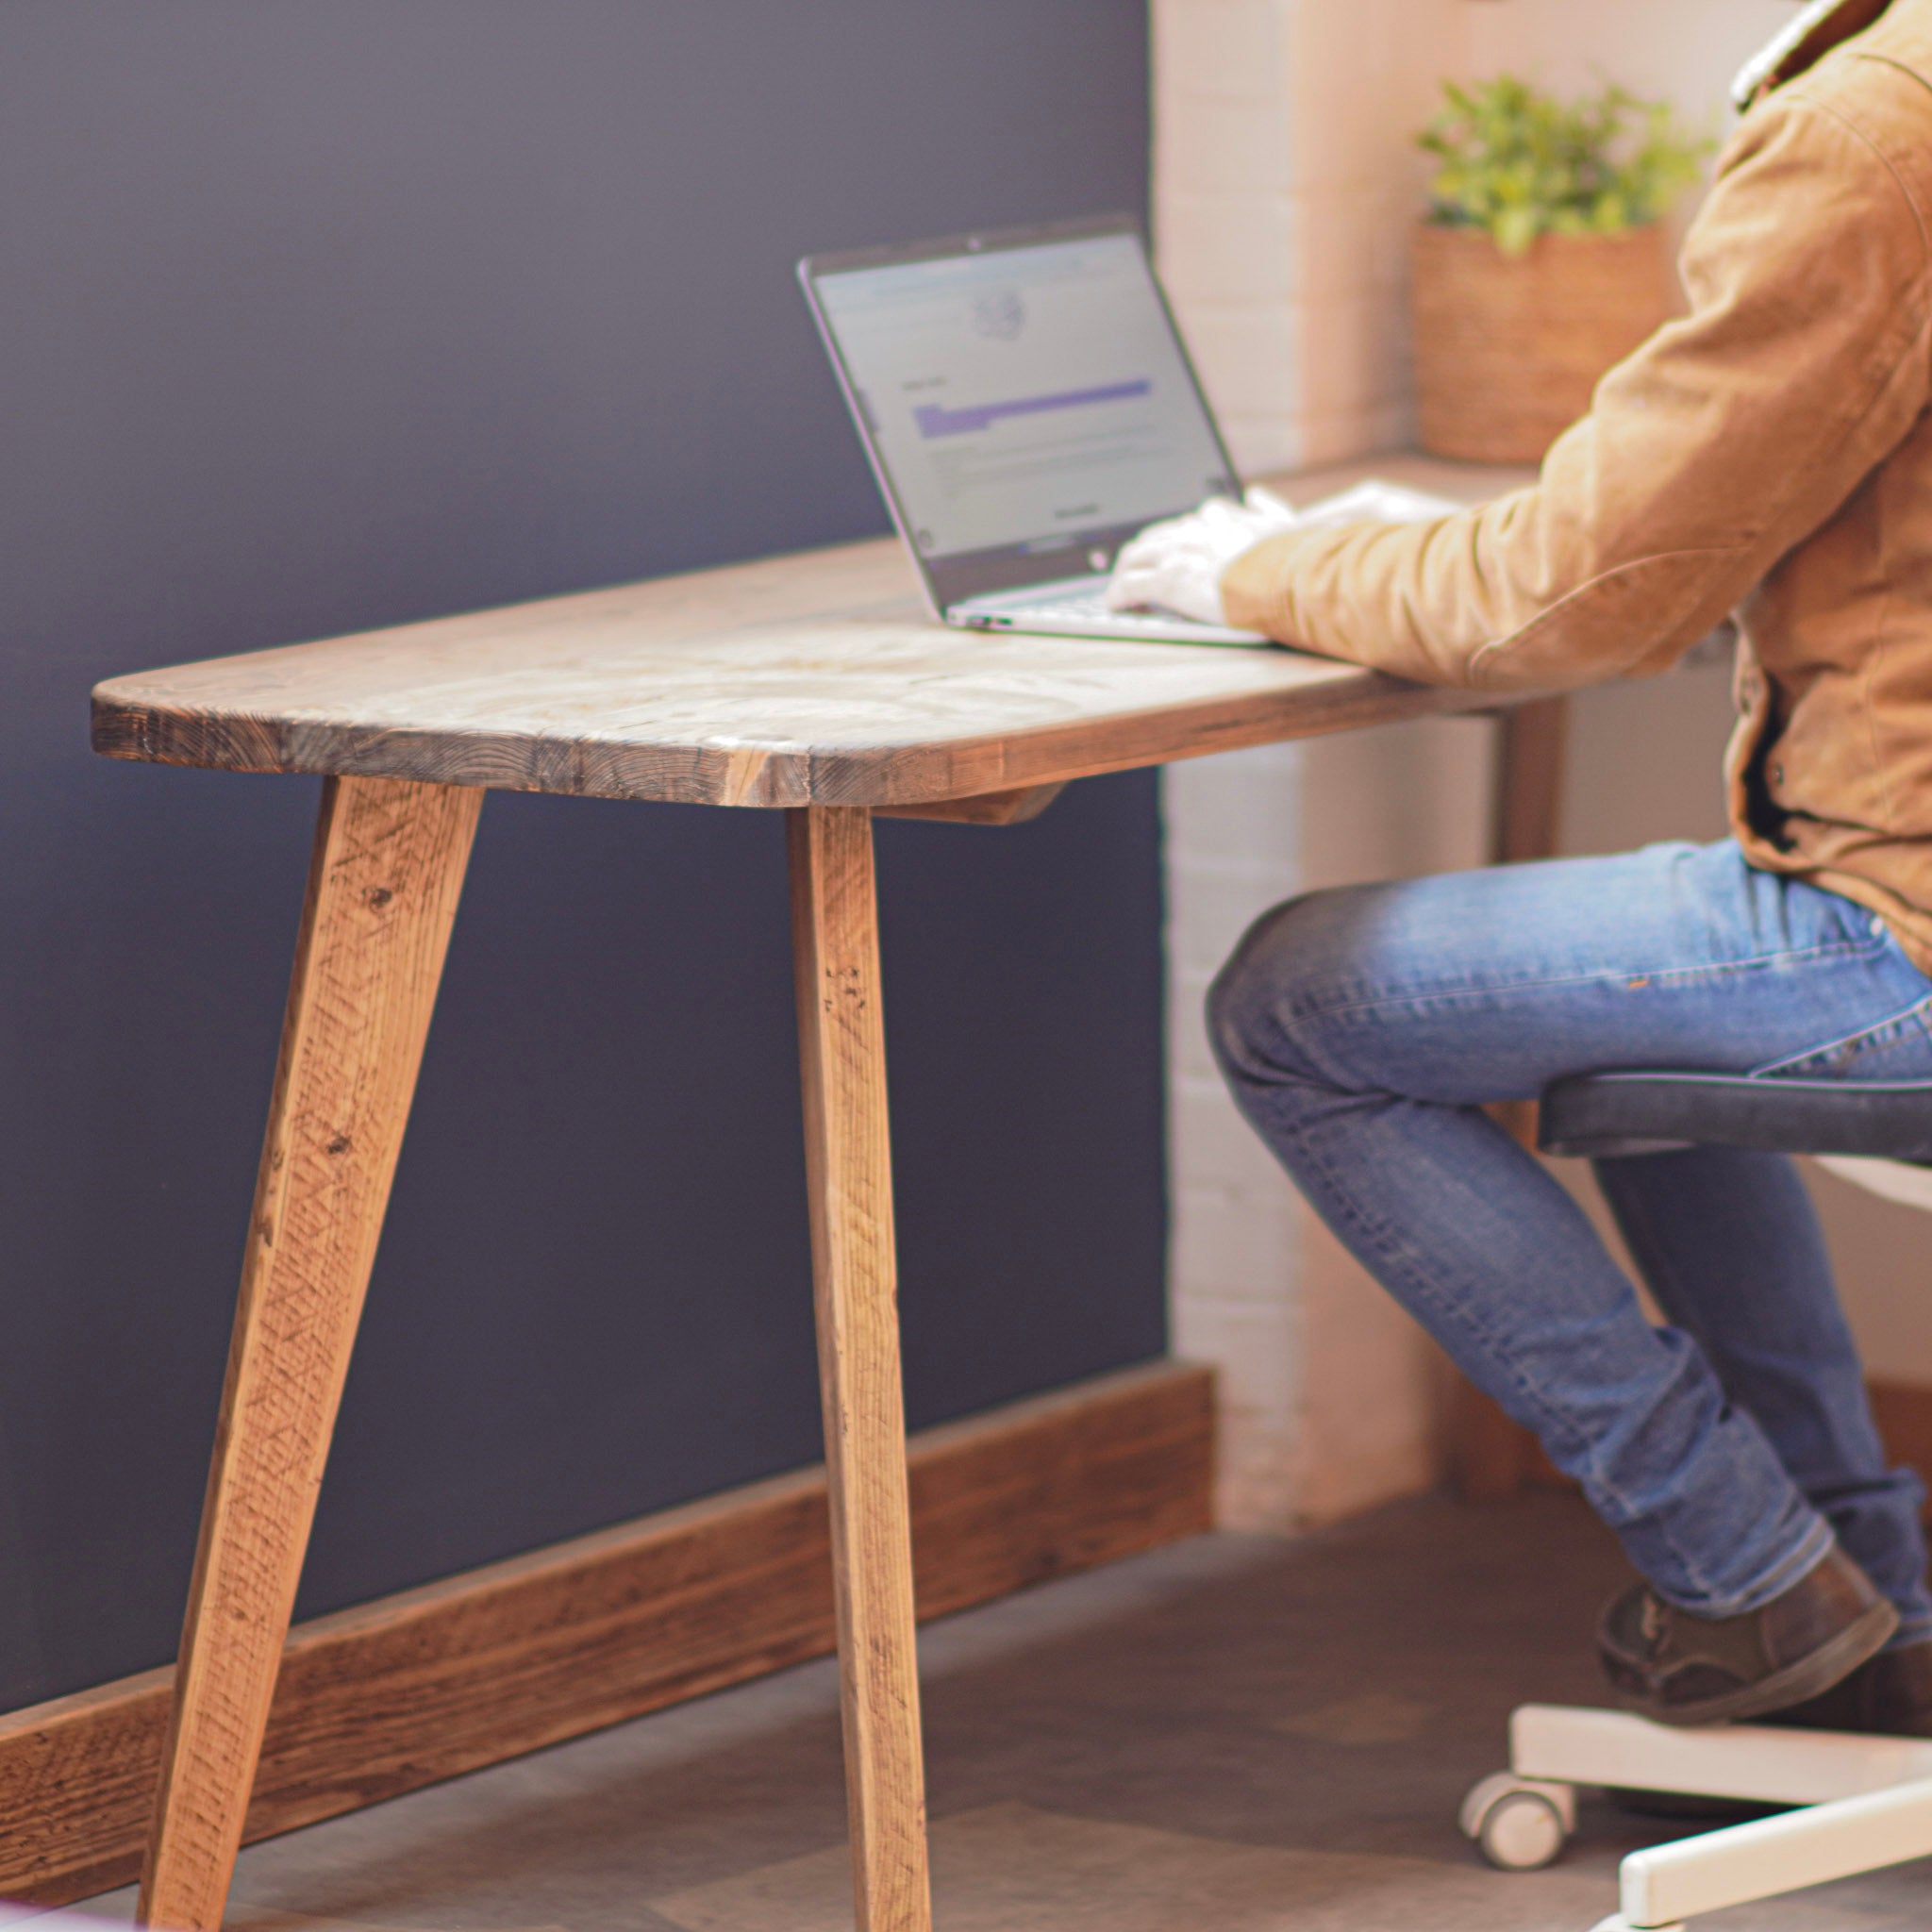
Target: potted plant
{"points": [[1542, 259]]}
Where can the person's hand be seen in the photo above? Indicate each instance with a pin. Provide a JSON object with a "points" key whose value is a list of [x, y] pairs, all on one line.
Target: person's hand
{"points": [[1176, 565]]}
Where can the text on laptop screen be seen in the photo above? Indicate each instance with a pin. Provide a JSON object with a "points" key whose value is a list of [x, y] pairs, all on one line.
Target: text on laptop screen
{"points": [[1025, 397]]}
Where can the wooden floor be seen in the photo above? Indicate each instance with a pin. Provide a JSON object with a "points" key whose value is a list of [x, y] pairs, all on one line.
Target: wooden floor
{"points": [[1234, 1732]]}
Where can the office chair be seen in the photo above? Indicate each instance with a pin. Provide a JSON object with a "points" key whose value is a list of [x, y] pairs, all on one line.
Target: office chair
{"points": [[1865, 1802]]}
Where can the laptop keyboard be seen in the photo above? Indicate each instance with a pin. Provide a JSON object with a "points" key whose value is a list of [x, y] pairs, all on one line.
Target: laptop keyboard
{"points": [[1089, 606], [1081, 603]]}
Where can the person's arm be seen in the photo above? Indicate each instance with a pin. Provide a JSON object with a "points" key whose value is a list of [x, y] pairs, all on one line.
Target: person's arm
{"points": [[1722, 443]]}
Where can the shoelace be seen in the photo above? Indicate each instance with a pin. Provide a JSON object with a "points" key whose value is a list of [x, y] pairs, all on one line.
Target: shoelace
{"points": [[1655, 1622]]}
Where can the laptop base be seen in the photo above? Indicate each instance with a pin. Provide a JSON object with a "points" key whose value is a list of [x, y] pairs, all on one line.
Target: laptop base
{"points": [[1076, 607]]}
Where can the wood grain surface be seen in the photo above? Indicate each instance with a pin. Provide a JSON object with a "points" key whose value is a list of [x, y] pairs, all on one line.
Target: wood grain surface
{"points": [[1020, 807], [794, 680], [384, 881], [480, 1667], [854, 1272]]}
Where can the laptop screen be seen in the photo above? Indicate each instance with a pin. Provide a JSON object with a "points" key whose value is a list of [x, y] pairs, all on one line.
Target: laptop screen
{"points": [[1028, 404]]}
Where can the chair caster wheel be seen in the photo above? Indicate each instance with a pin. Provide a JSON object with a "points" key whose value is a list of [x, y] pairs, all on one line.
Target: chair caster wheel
{"points": [[1519, 1824]]}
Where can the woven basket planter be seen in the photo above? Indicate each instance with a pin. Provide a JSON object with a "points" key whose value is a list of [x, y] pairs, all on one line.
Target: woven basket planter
{"points": [[1509, 348]]}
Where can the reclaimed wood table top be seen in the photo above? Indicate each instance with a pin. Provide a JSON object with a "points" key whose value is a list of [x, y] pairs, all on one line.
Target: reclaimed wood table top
{"points": [[808, 680]]}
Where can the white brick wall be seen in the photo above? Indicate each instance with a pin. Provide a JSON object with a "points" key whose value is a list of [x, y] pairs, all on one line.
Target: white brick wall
{"points": [[1233, 849], [1685, 52], [1285, 180], [1284, 186], [1223, 211]]}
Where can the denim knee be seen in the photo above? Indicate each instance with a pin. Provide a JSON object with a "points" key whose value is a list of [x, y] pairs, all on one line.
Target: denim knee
{"points": [[1244, 1005]]}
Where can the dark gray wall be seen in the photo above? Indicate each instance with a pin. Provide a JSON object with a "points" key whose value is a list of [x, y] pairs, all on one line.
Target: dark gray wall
{"points": [[317, 314]]}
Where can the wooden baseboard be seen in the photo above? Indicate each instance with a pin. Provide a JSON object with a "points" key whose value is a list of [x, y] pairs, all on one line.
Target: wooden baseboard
{"points": [[1905, 1420], [399, 1694]]}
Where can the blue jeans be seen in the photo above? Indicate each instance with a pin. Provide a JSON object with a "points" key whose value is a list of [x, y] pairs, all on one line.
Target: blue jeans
{"points": [[1361, 1029]]}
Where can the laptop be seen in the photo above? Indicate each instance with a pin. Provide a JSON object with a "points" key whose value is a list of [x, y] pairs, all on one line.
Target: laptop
{"points": [[1027, 407]]}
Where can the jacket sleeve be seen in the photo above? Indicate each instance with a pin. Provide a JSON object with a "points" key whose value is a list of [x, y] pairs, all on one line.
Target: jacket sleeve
{"points": [[1725, 440]]}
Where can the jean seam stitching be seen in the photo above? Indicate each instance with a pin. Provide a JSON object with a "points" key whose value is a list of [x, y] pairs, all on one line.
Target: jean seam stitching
{"points": [[1551, 1420], [1919, 1009], [1447, 1301], [1652, 1267], [1621, 976]]}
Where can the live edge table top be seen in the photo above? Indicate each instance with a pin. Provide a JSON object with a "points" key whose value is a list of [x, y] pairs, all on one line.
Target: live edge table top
{"points": [[807, 679]]}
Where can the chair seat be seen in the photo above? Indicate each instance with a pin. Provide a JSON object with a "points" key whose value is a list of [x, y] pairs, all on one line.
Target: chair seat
{"points": [[1604, 1115]]}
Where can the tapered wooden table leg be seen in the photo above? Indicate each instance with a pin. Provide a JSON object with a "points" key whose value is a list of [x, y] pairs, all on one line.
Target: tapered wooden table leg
{"points": [[383, 884], [1492, 1457], [842, 1044]]}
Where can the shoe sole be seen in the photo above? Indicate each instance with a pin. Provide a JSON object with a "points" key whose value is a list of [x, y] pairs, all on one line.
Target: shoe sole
{"points": [[1814, 1672]]}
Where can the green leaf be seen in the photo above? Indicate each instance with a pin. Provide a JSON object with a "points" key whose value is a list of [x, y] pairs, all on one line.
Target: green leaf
{"points": [[1515, 230], [1521, 162]]}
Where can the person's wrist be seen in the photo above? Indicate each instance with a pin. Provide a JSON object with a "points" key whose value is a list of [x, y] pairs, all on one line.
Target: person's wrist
{"points": [[1241, 588]]}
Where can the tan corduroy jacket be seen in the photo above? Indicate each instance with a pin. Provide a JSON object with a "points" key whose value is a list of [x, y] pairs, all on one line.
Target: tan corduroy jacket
{"points": [[1770, 452]]}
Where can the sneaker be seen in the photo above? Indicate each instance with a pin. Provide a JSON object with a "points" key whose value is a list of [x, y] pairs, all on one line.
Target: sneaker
{"points": [[1888, 1696], [1678, 1667]]}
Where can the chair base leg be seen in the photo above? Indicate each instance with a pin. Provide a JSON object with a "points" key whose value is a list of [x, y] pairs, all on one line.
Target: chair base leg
{"points": [[1864, 1804], [1770, 1855], [1752, 1762]]}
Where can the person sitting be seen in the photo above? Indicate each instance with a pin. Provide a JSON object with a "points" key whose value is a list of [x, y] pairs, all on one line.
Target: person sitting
{"points": [[1771, 453]]}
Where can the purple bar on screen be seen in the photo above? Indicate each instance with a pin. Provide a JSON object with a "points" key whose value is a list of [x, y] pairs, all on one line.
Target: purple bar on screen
{"points": [[934, 419]]}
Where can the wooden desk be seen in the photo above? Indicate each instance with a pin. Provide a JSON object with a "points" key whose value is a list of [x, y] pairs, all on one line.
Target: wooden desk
{"points": [[812, 683]]}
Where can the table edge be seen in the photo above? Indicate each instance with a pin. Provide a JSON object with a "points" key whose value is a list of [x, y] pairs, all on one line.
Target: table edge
{"points": [[128, 728]]}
